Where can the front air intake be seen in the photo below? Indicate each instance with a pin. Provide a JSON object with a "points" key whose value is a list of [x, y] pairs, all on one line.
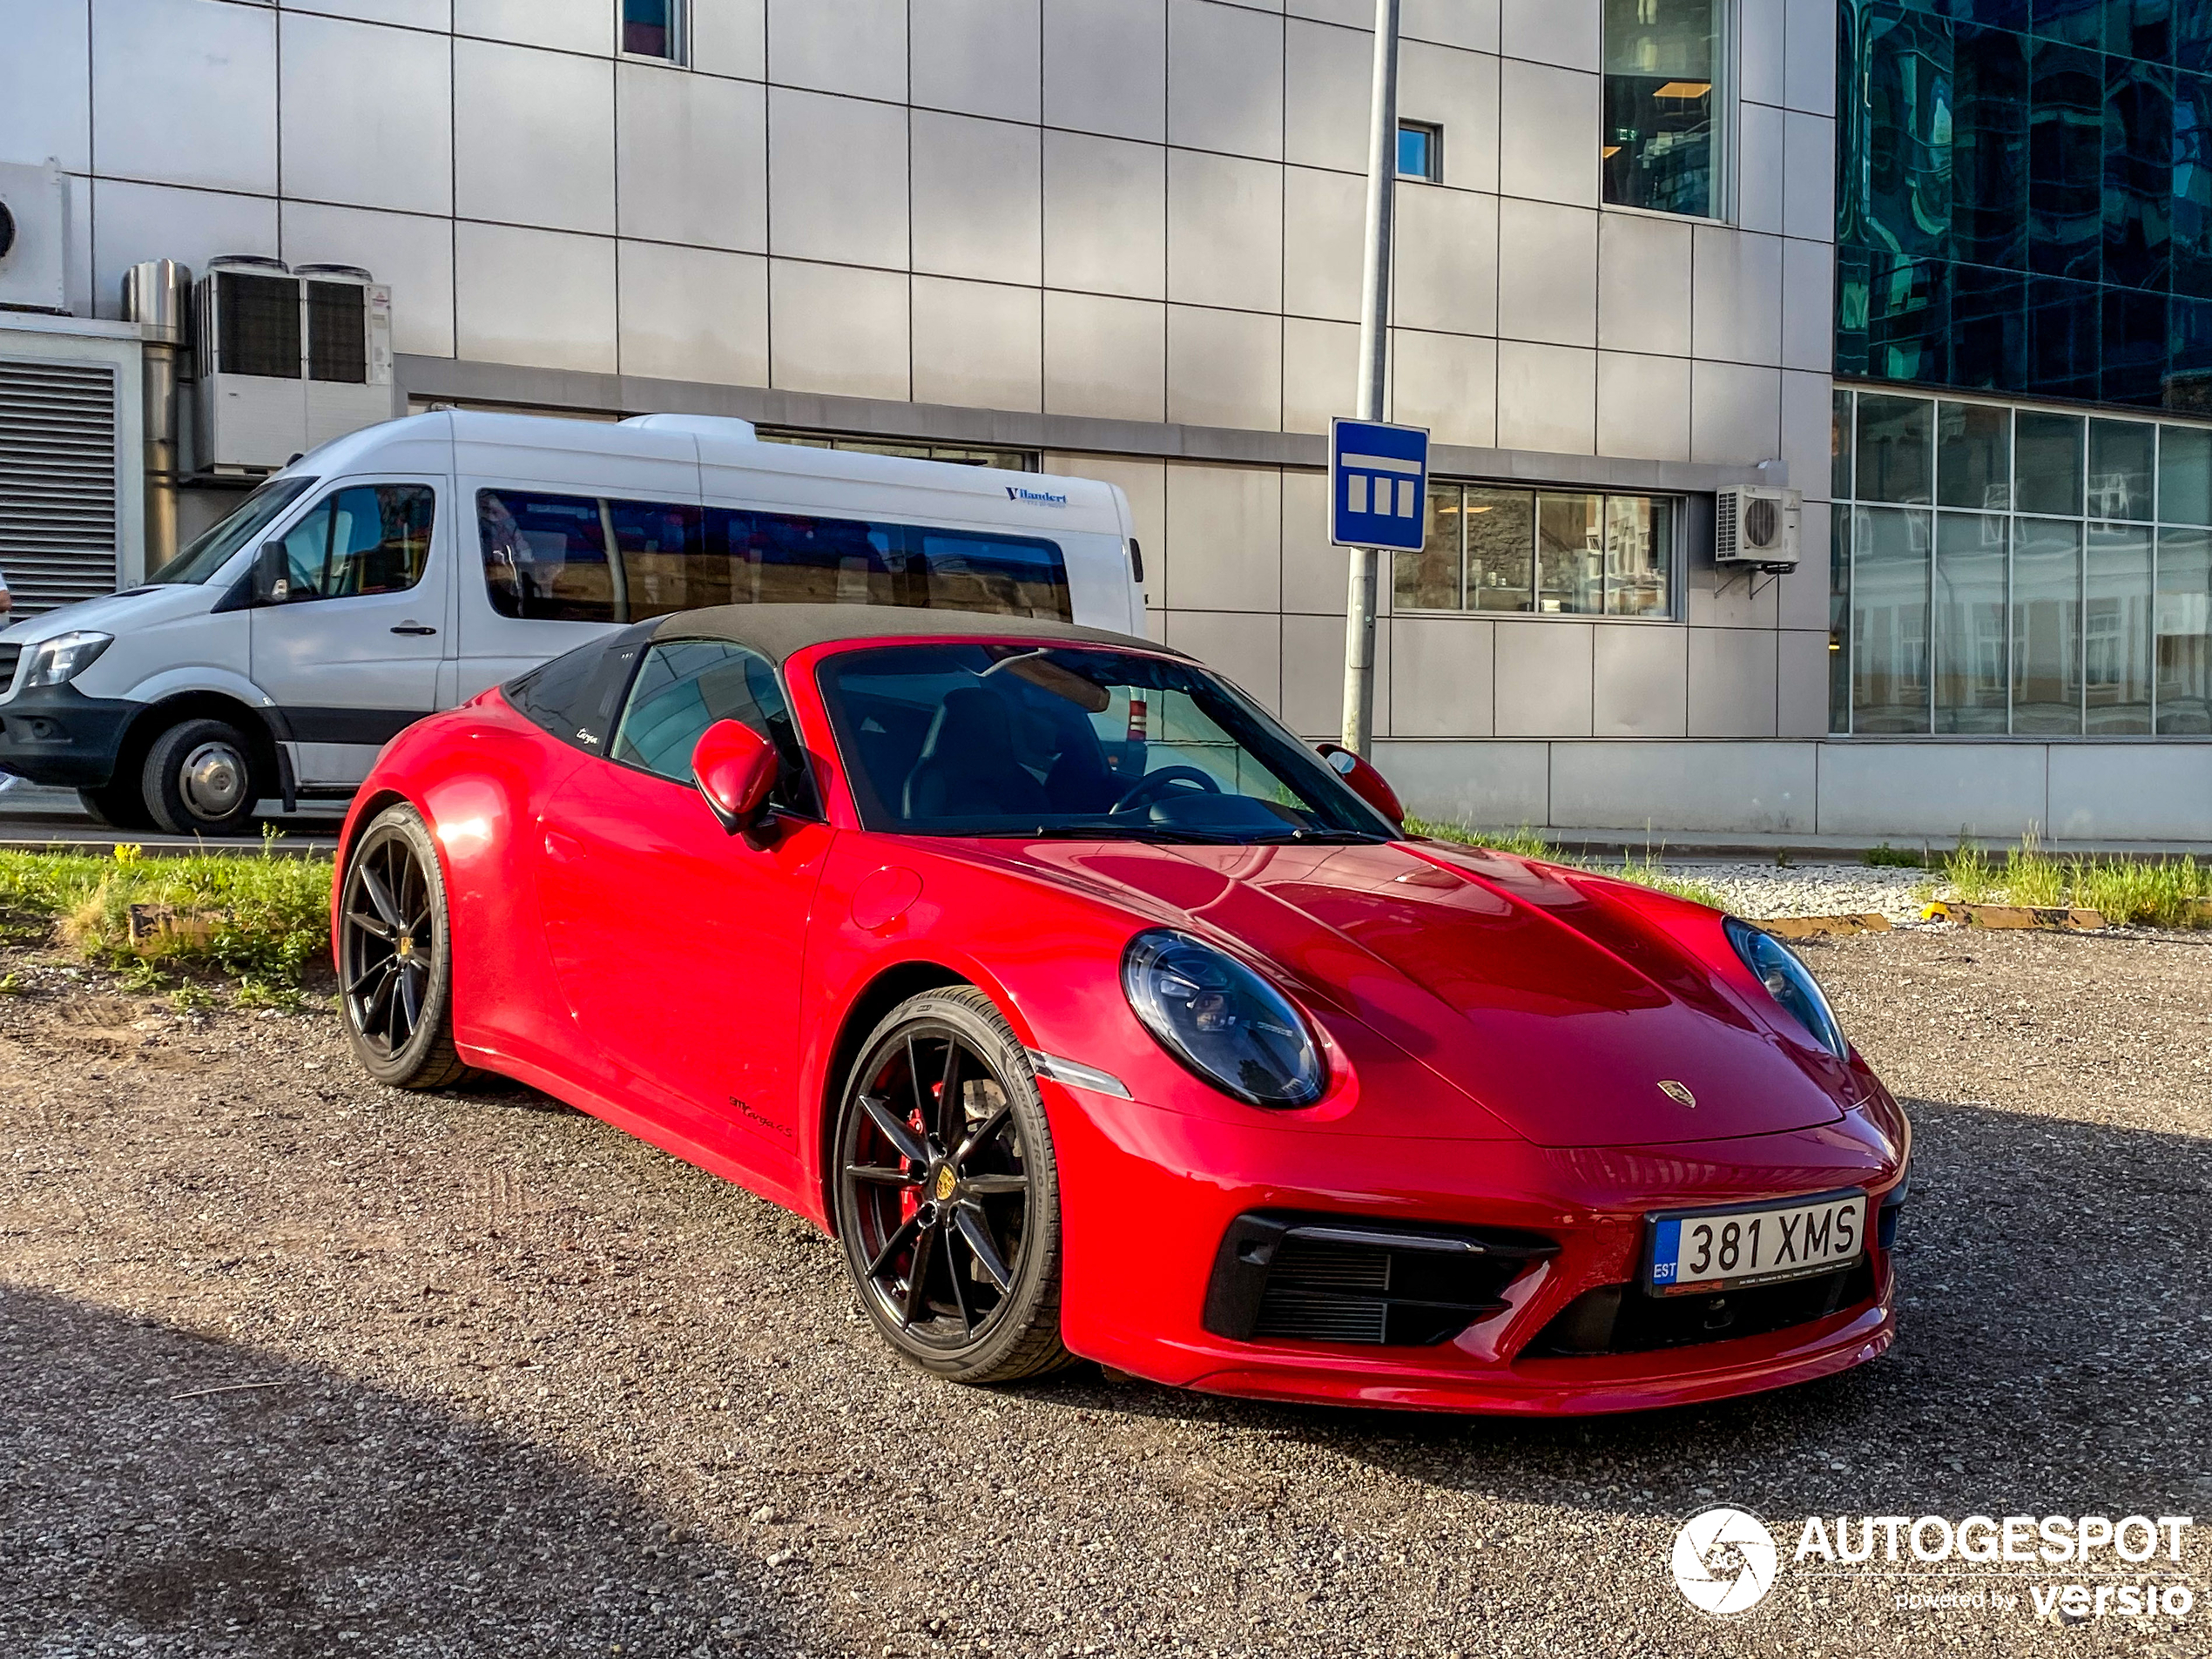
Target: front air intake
{"points": [[1284, 1277]]}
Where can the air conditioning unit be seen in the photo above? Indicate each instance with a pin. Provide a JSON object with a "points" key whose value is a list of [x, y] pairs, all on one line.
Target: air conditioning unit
{"points": [[1757, 528], [34, 204], [287, 361]]}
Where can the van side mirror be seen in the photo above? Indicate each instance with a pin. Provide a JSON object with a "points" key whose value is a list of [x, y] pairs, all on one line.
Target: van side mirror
{"points": [[734, 767], [271, 575], [1366, 783]]}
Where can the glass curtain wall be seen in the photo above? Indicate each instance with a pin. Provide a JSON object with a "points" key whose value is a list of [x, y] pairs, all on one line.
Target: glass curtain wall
{"points": [[2026, 572]]}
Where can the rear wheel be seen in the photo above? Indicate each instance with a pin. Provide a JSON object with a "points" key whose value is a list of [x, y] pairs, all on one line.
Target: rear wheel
{"points": [[395, 955], [198, 779], [118, 805], [947, 1194]]}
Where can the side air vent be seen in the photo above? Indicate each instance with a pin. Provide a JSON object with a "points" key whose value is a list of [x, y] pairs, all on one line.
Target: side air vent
{"points": [[58, 537], [1286, 1277]]}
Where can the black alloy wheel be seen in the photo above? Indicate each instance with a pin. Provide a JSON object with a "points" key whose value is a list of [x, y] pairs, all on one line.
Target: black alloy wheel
{"points": [[394, 956], [948, 1200]]}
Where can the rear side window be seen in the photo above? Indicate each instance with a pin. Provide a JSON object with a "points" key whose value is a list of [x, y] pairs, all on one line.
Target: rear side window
{"points": [[364, 539], [576, 559], [576, 696], [685, 686]]}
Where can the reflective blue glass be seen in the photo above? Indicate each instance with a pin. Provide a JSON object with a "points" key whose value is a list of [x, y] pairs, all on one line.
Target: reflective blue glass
{"points": [[2193, 37], [2081, 22], [2062, 329], [1989, 149], [2138, 173], [2133, 352], [2192, 199], [1989, 330], [2066, 160]]}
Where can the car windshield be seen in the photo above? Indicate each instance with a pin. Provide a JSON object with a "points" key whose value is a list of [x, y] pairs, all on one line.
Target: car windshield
{"points": [[1013, 740], [212, 550]]}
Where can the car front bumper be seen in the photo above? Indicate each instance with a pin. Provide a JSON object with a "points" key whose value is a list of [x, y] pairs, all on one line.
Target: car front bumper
{"points": [[1147, 1197], [57, 736]]}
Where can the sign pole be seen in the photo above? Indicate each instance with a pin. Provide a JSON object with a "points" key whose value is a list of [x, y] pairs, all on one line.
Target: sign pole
{"points": [[1374, 367]]}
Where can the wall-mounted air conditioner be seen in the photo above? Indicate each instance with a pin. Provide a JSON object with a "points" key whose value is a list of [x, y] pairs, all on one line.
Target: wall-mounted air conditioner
{"points": [[34, 205], [288, 360], [1757, 528]]}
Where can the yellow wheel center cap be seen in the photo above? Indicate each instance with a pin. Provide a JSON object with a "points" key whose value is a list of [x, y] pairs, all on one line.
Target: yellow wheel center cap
{"points": [[947, 1182], [406, 946]]}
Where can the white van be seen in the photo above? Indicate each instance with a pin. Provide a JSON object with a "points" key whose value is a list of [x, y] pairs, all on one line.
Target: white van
{"points": [[405, 569]]}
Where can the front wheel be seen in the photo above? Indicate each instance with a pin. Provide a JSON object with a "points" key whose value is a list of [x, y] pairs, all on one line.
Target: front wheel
{"points": [[947, 1194], [395, 955]]}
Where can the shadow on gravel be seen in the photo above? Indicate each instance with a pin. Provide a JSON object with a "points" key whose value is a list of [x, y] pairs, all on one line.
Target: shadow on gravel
{"points": [[315, 1516], [2054, 1357]]}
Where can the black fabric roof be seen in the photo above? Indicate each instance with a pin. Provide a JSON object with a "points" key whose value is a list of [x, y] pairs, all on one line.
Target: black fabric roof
{"points": [[778, 630]]}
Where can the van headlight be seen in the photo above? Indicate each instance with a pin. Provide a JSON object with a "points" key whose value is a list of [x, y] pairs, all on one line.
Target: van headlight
{"points": [[1789, 983], [61, 659], [1222, 1021]]}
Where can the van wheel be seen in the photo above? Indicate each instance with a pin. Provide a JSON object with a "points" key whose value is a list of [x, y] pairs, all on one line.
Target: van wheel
{"points": [[198, 779], [117, 805]]}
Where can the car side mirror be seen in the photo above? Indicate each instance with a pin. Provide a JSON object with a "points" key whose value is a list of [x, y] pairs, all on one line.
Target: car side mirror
{"points": [[1366, 783], [271, 575], [735, 768]]}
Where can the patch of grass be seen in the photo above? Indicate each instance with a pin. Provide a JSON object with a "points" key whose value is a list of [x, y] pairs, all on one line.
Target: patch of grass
{"points": [[2131, 892], [260, 918], [2033, 876], [1646, 871], [1649, 871], [1972, 876], [1886, 857], [1523, 843]]}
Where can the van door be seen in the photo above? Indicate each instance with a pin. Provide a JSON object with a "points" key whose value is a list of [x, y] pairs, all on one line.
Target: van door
{"points": [[347, 637]]}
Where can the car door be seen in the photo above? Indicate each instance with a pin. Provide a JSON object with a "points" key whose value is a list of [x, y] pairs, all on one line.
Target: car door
{"points": [[678, 945], [349, 638]]}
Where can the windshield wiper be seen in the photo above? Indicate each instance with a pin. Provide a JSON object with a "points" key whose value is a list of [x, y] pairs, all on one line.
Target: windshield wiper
{"points": [[1111, 832]]}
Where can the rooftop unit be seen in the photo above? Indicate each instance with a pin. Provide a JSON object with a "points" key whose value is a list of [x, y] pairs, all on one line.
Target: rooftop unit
{"points": [[287, 361]]}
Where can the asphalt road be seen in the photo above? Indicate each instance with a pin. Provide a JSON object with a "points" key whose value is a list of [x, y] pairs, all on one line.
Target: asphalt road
{"points": [[34, 818], [295, 1365]]}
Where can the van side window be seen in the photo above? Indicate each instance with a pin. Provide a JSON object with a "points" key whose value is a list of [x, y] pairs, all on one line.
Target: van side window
{"points": [[363, 539], [685, 686], [547, 558]]}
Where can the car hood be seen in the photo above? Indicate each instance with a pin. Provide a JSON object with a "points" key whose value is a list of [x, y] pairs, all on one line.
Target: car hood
{"points": [[112, 614], [1560, 1001]]}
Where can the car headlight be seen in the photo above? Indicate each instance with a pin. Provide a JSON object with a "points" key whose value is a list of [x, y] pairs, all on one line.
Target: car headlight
{"points": [[1222, 1021], [61, 659], [1789, 983]]}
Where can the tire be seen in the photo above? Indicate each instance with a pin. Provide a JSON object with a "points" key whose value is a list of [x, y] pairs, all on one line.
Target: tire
{"points": [[199, 779], [395, 955], [118, 805], [981, 1215]]}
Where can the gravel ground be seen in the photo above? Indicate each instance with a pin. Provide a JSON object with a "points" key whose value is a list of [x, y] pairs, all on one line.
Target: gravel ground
{"points": [[502, 1381], [1758, 891]]}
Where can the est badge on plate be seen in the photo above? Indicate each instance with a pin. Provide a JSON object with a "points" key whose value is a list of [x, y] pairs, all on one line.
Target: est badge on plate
{"points": [[1741, 1245]]}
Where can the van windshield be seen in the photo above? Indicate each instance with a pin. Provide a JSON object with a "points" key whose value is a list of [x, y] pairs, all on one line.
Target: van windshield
{"points": [[213, 550]]}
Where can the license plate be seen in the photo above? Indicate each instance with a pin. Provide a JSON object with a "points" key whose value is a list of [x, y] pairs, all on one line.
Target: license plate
{"points": [[1748, 1245]]}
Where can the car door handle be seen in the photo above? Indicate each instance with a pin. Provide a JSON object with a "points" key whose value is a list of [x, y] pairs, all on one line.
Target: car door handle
{"points": [[420, 631]]}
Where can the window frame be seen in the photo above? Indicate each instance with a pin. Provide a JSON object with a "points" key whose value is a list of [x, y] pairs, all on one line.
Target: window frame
{"points": [[1724, 198], [1433, 131], [807, 789], [333, 489], [1676, 505], [678, 55]]}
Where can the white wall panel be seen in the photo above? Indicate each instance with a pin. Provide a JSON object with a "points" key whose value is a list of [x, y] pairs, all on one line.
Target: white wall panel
{"points": [[367, 115], [1440, 673], [1759, 166], [1546, 397], [45, 83], [1548, 144], [835, 329], [837, 179], [1488, 785], [1447, 265], [1226, 525], [1321, 373], [977, 210], [979, 57], [563, 25], [730, 38], [692, 163], [1760, 71], [1546, 272], [539, 298], [1542, 684], [1314, 677], [1643, 406], [1636, 680], [1809, 177], [1445, 382], [1225, 78], [1106, 67], [853, 46], [1323, 247], [1737, 296], [534, 136], [1735, 413], [134, 222], [694, 315], [1469, 23], [1327, 74], [1990, 790], [1105, 215], [1565, 33], [408, 14], [1801, 683], [413, 255], [1732, 682], [1105, 356], [1644, 284], [1247, 649], [1224, 230], [1457, 91], [1766, 788], [1808, 305], [1224, 368], [1809, 57], [1315, 573], [978, 344], [184, 92]]}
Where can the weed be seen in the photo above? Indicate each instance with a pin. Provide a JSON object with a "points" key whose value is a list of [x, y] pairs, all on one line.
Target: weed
{"points": [[1524, 843], [1649, 871], [191, 999], [1886, 857], [2167, 893], [2033, 876], [1972, 878], [12, 985]]}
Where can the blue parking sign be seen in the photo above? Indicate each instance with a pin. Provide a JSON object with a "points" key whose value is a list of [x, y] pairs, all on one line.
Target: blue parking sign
{"points": [[1379, 485]]}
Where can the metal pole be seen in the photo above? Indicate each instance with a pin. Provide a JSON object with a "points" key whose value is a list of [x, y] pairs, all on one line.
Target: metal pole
{"points": [[1374, 368]]}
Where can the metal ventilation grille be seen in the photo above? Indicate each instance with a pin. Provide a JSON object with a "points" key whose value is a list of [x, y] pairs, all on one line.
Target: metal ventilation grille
{"points": [[58, 462], [338, 333], [1725, 529]]}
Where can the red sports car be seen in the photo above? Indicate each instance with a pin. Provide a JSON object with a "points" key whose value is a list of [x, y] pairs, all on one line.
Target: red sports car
{"points": [[1097, 1017]]}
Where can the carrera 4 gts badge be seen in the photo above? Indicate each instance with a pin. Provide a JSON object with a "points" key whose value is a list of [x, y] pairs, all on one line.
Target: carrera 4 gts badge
{"points": [[1679, 1093]]}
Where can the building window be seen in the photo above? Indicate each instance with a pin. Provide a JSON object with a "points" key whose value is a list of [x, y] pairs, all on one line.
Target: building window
{"points": [[2026, 572], [1662, 140], [1420, 152], [1544, 552], [653, 29]]}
